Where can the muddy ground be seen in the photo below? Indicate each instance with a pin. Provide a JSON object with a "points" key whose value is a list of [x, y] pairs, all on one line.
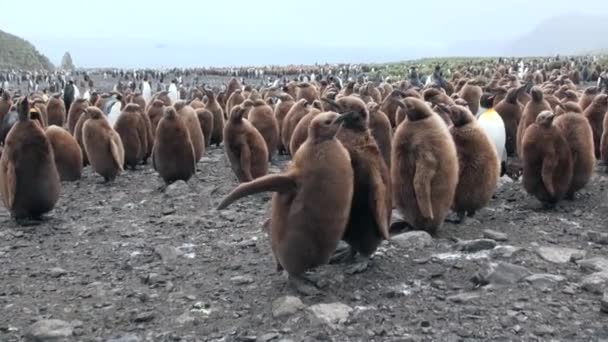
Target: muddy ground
{"points": [[127, 262]]}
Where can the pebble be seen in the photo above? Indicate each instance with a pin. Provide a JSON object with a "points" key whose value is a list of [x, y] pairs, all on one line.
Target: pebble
{"points": [[168, 253], [473, 246], [544, 281], [504, 251], [144, 317], [604, 303], [502, 273], [330, 314], [596, 264], [462, 298], [559, 255], [413, 240], [595, 283], [48, 330], [286, 306], [241, 280], [268, 337], [543, 330], [494, 235], [57, 272], [123, 338]]}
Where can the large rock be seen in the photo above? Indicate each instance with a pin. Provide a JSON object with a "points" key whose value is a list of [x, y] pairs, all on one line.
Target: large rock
{"points": [[416, 239], [51, 330], [502, 273], [595, 283], [544, 281], [286, 306], [330, 314], [596, 264], [559, 255]]}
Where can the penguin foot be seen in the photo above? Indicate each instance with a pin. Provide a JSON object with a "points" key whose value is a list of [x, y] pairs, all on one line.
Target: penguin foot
{"points": [[29, 222], [303, 285], [360, 265], [343, 255], [548, 205]]}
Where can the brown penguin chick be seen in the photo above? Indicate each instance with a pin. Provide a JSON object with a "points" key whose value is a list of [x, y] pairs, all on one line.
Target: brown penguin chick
{"points": [[567, 107], [254, 95], [479, 166], [588, 96], [299, 109], [164, 97], [138, 99], [67, 153], [234, 100], [499, 94], [391, 105], [262, 118], [78, 135], [194, 127], [55, 110], [102, 145], [552, 100], [531, 111], [133, 133], [471, 93], [76, 110], [41, 110], [381, 130], [280, 111], [424, 167], [369, 93], [233, 85], [306, 91], [577, 132], [312, 201], [547, 161], [155, 113], [388, 89], [217, 135], [300, 133], [29, 181], [94, 97], [510, 110], [206, 119], [245, 147], [371, 202], [435, 96], [149, 132], [5, 104], [595, 114], [196, 104], [173, 154]]}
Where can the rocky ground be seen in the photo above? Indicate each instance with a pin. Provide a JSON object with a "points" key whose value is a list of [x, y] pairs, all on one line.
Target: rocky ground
{"points": [[126, 262]]}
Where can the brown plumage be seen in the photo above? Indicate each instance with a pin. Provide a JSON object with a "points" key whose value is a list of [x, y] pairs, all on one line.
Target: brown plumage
{"points": [[380, 126], [471, 93], [76, 110], [235, 99], [217, 135], [299, 109], [312, 200], [531, 111], [139, 100], [424, 167], [102, 145], [173, 154], [245, 147], [547, 161], [595, 113], [5, 104], [67, 153], [280, 111], [588, 96], [300, 133], [155, 113], [206, 119], [306, 91], [78, 135], [479, 165], [133, 133], [194, 127], [29, 181], [510, 110], [577, 132], [435, 96], [233, 85], [56, 111], [568, 107], [262, 118]]}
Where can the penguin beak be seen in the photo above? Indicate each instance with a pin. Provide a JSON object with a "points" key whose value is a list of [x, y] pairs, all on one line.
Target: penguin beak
{"points": [[346, 117]]}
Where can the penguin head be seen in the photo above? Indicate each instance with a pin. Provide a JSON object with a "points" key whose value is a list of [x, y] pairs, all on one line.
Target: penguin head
{"points": [[459, 115], [325, 126], [416, 109], [545, 118], [355, 114]]}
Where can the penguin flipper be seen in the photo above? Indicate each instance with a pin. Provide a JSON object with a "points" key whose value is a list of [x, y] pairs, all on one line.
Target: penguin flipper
{"points": [[118, 161], [245, 161], [380, 202], [423, 174], [275, 183], [10, 184], [548, 168]]}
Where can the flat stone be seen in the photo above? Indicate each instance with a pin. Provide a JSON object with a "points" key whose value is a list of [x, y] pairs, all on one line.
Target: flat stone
{"points": [[268, 337], [558, 255], [286, 306], [241, 280], [416, 239], [464, 297], [544, 281], [597, 264], [144, 317], [123, 338], [185, 319], [168, 253], [504, 251], [604, 303], [474, 246], [49, 330], [57, 272], [543, 330], [330, 314], [494, 235], [595, 283], [501, 273], [597, 237]]}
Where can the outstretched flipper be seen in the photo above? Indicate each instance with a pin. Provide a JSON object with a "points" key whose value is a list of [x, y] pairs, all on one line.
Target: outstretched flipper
{"points": [[424, 172], [274, 183]]}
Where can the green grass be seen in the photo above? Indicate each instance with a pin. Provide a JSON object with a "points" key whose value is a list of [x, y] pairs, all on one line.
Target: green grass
{"points": [[18, 53]]}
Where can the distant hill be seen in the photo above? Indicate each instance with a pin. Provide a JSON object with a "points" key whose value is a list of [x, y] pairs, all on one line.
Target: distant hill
{"points": [[565, 35], [18, 53]]}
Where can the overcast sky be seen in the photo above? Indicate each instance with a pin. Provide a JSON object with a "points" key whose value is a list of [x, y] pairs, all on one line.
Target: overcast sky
{"points": [[337, 23]]}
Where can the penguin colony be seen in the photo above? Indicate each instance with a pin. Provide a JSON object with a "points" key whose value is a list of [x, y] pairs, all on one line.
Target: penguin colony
{"points": [[358, 152]]}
